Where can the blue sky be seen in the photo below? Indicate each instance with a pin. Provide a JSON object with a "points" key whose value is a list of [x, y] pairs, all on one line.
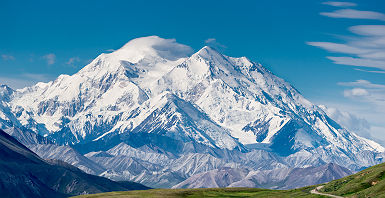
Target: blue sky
{"points": [[321, 47]]}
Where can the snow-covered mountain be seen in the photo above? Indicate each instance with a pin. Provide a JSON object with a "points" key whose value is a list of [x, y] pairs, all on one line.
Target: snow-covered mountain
{"points": [[156, 96]]}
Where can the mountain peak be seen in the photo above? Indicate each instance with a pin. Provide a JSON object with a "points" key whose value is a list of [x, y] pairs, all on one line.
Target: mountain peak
{"points": [[5, 92], [243, 61], [5, 87], [208, 51]]}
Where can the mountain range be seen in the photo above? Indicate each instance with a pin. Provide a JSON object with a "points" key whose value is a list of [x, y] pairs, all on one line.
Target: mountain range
{"points": [[366, 183], [156, 113], [25, 174]]}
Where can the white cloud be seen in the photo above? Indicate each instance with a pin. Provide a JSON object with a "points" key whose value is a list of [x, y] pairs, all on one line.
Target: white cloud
{"points": [[340, 4], [363, 62], [73, 60], [25, 80], [370, 71], [15, 83], [170, 49], [50, 58], [353, 123], [166, 48], [7, 57], [367, 92], [374, 55], [355, 117], [368, 30], [356, 92], [367, 99], [354, 14]]}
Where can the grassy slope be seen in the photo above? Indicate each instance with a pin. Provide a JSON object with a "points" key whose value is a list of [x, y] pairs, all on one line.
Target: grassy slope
{"points": [[367, 183], [209, 192]]}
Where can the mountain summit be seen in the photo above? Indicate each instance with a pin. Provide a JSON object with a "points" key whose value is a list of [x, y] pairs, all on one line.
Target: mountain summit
{"points": [[177, 102]]}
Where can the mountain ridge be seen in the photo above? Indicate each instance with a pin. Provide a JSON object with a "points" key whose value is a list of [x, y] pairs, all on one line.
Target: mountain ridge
{"points": [[25, 174]]}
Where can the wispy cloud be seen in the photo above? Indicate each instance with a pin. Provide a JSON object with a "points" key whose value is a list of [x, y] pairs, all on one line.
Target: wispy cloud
{"points": [[340, 4], [339, 48], [369, 30], [71, 61], [361, 62], [25, 80], [7, 57], [370, 71], [354, 14], [366, 49], [362, 83], [212, 42], [50, 58]]}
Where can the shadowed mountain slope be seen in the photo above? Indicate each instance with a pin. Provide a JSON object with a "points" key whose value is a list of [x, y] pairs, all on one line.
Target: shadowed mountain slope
{"points": [[24, 174]]}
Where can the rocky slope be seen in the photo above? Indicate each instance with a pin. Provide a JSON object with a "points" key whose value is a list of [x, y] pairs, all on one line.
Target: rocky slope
{"points": [[24, 174], [283, 178]]}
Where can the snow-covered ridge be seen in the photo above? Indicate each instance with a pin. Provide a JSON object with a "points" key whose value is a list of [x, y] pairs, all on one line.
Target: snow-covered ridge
{"points": [[157, 86]]}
